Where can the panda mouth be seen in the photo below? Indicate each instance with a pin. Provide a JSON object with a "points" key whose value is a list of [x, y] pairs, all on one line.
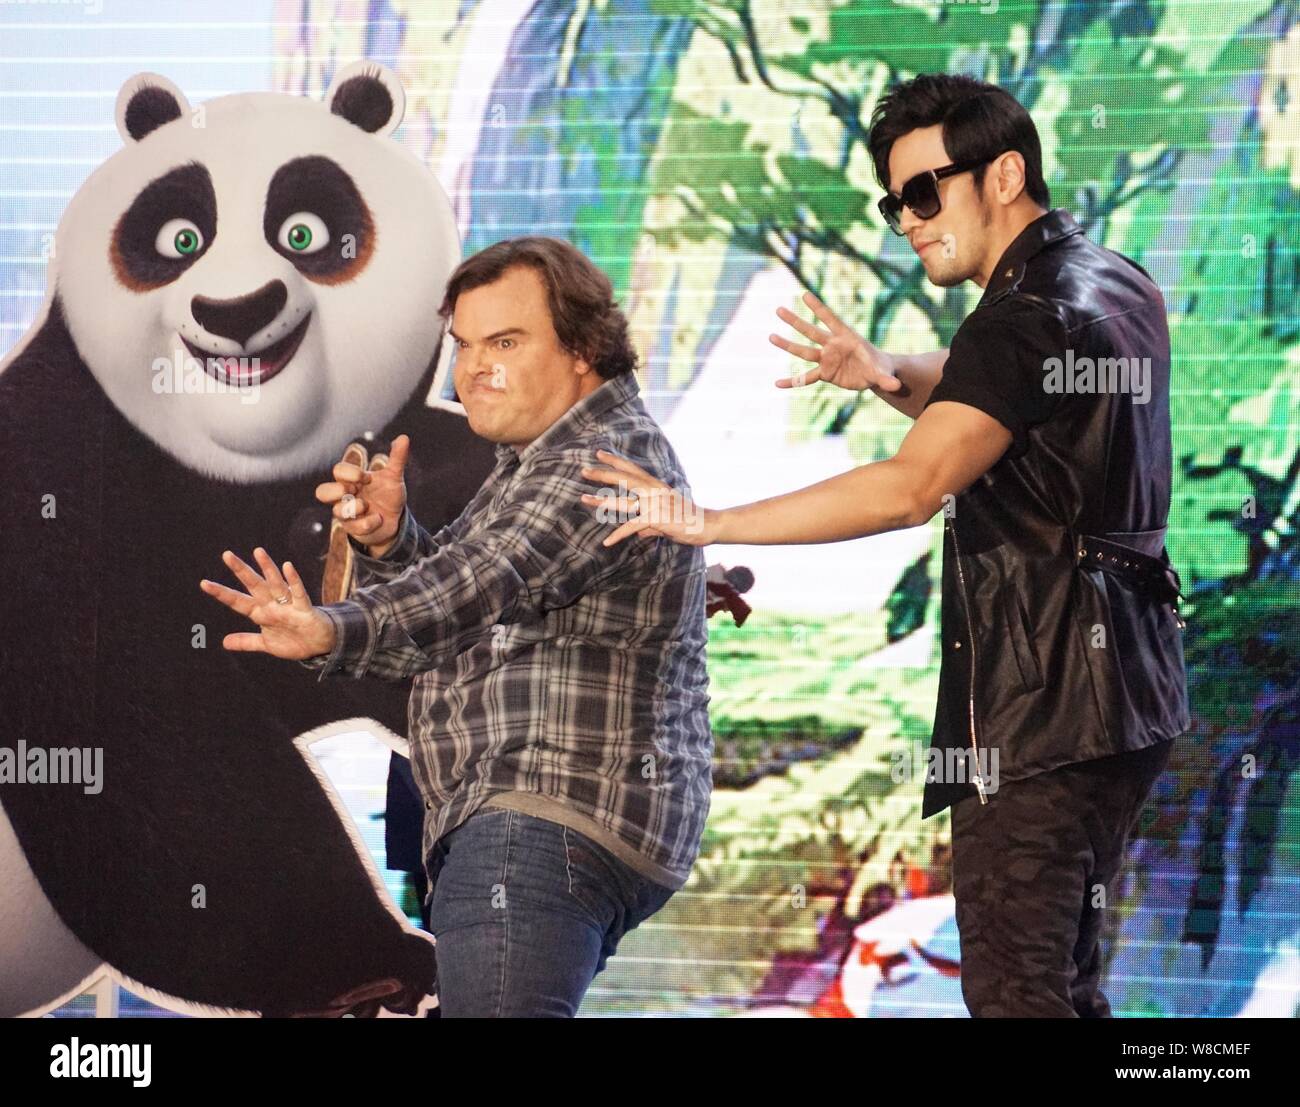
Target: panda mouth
{"points": [[255, 368]]}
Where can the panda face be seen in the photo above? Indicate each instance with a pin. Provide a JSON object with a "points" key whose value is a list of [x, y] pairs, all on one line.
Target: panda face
{"points": [[257, 282]]}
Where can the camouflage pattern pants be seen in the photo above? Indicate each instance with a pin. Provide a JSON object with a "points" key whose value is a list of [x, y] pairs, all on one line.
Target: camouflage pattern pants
{"points": [[1033, 874]]}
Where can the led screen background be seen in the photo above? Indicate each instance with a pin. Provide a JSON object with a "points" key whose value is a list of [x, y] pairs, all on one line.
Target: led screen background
{"points": [[711, 157]]}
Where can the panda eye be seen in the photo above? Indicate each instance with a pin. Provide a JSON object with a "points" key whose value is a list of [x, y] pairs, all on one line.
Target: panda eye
{"points": [[178, 238], [303, 233]]}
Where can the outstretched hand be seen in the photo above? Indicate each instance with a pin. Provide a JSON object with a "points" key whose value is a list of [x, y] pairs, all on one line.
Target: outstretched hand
{"points": [[652, 510], [840, 355], [291, 627]]}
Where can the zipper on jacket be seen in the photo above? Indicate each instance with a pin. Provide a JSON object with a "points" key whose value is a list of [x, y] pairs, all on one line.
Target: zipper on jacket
{"points": [[970, 638]]}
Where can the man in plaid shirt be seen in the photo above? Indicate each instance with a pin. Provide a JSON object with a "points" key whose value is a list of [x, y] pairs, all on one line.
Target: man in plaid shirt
{"points": [[558, 717]]}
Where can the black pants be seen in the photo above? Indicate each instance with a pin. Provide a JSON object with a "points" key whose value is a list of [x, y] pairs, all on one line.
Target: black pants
{"points": [[1033, 876]]}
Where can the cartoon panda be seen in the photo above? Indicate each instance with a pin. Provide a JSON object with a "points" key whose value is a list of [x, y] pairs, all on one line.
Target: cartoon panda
{"points": [[235, 296]]}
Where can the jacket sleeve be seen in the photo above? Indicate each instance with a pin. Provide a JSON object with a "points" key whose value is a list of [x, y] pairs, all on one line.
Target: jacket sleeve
{"points": [[999, 363]]}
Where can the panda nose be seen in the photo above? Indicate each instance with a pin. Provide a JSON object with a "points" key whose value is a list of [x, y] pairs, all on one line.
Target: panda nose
{"points": [[242, 317]]}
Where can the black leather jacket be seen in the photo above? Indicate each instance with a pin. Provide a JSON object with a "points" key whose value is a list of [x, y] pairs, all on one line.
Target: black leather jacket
{"points": [[1061, 638]]}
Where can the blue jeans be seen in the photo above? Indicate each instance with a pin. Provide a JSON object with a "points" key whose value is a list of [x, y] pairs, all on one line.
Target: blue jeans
{"points": [[526, 912]]}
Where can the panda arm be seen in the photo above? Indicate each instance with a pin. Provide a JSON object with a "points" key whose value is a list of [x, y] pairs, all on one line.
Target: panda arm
{"points": [[539, 549]]}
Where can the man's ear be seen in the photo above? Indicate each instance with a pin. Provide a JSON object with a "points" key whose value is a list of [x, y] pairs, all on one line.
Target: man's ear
{"points": [[588, 377], [1010, 180], [580, 364]]}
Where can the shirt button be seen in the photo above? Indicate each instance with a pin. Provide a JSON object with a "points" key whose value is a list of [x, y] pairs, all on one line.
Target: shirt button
{"points": [[957, 645]]}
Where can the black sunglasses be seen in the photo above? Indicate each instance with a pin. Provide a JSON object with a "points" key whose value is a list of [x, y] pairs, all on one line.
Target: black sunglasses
{"points": [[921, 194]]}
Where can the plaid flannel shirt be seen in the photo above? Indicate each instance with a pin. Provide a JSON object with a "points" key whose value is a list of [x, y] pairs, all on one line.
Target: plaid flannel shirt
{"points": [[544, 662]]}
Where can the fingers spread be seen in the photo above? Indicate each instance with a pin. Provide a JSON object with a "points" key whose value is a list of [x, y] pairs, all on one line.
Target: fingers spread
{"points": [[247, 576], [232, 599], [296, 588], [620, 504], [808, 330], [808, 353], [823, 312], [273, 578]]}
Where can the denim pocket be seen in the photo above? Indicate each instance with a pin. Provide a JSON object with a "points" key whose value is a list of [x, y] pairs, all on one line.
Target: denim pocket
{"points": [[591, 880]]}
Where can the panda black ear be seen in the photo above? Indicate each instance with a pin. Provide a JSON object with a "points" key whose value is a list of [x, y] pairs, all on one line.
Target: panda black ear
{"points": [[367, 95], [145, 103]]}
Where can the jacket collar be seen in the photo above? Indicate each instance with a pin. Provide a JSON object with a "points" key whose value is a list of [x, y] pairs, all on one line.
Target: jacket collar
{"points": [[613, 392], [1047, 230]]}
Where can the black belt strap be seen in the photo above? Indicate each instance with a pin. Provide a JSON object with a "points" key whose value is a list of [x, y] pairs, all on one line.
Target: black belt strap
{"points": [[1139, 556]]}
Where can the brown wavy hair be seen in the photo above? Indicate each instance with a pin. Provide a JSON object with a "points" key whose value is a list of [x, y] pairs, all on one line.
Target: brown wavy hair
{"points": [[586, 318]]}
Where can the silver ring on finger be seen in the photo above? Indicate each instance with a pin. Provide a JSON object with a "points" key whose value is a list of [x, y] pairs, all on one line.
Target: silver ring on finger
{"points": [[283, 599]]}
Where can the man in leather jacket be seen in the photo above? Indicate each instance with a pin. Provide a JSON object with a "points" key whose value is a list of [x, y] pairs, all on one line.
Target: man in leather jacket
{"points": [[1042, 435]]}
